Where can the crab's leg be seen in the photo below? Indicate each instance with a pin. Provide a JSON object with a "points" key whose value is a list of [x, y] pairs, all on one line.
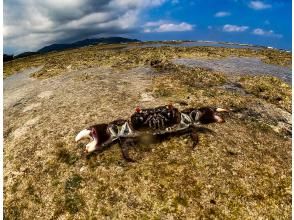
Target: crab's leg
{"points": [[109, 142], [194, 137], [125, 143]]}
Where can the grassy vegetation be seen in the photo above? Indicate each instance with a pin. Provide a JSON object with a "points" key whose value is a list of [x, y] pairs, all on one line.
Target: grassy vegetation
{"points": [[269, 88], [239, 170]]}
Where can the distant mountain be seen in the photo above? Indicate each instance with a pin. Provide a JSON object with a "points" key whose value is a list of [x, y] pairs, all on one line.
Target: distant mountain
{"points": [[25, 54], [86, 42], [77, 44], [7, 57]]}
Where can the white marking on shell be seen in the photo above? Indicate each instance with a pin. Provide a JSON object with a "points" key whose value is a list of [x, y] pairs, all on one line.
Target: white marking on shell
{"points": [[185, 119], [112, 132], [129, 128], [197, 116], [125, 129], [83, 134]]}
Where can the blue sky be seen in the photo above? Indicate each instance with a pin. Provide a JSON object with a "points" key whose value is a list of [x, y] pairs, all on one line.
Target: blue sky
{"points": [[264, 23], [30, 25]]}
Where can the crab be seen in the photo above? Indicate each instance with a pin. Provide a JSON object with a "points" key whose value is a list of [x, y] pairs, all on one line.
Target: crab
{"points": [[153, 122], [155, 118]]}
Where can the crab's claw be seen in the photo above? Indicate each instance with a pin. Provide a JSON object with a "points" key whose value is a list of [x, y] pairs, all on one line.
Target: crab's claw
{"points": [[92, 146], [221, 110], [86, 133], [97, 134], [218, 118], [91, 134], [209, 115]]}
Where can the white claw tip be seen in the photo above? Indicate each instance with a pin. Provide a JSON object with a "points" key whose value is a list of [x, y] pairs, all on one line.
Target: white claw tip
{"points": [[219, 119], [90, 147], [221, 110], [83, 134]]}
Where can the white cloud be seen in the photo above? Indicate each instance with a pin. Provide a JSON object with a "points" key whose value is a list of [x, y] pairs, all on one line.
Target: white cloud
{"points": [[31, 24], [270, 33], [154, 23], [234, 28], [175, 27], [147, 30], [134, 3], [164, 26], [222, 14], [259, 5]]}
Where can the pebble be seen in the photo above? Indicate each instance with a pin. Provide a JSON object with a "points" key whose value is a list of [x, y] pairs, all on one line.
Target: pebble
{"points": [[83, 169]]}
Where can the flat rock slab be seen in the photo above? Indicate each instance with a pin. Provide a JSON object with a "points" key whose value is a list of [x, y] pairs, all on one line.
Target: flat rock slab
{"points": [[45, 94], [240, 65], [31, 106], [25, 128], [146, 97], [19, 87]]}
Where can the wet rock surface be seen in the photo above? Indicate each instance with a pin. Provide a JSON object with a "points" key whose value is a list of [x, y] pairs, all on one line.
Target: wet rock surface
{"points": [[240, 65]]}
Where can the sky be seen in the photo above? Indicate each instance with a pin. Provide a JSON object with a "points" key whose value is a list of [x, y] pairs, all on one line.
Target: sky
{"points": [[32, 24]]}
